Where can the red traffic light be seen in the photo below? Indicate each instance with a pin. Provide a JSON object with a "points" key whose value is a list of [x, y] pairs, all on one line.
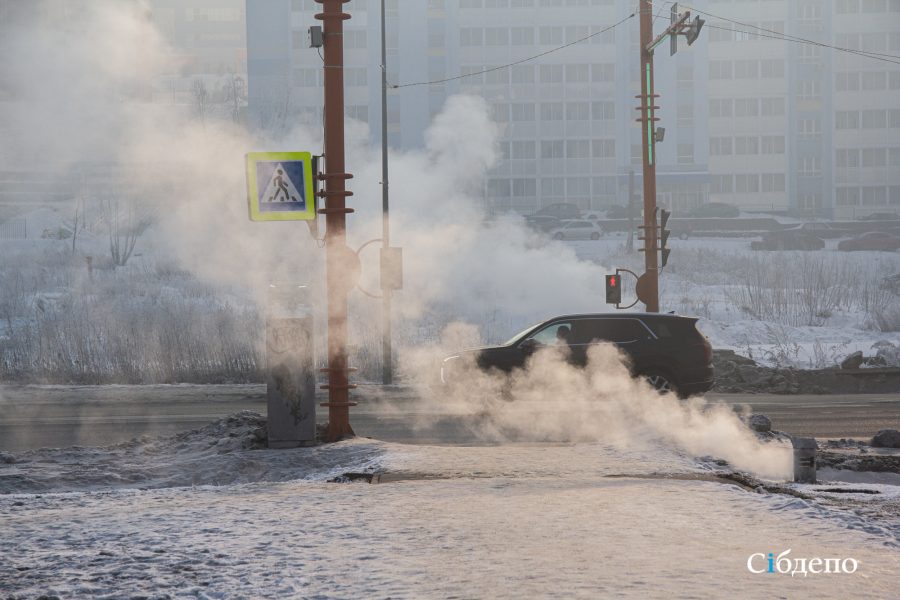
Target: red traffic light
{"points": [[612, 281]]}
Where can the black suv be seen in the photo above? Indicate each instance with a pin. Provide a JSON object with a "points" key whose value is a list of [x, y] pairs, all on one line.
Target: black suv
{"points": [[667, 350]]}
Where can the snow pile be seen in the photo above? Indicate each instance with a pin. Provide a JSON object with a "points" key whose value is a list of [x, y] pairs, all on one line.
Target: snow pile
{"points": [[228, 451]]}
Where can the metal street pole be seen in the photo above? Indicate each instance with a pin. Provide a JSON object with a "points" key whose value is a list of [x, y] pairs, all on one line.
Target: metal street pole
{"points": [[651, 274], [629, 246], [338, 257], [386, 357]]}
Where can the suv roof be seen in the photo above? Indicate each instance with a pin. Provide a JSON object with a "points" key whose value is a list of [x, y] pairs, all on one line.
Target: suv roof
{"points": [[641, 315]]}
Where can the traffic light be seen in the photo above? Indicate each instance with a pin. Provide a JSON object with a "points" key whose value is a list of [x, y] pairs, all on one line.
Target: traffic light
{"points": [[613, 289], [693, 30], [663, 237]]}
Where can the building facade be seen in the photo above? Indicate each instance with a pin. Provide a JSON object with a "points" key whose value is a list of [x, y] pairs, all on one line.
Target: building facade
{"points": [[751, 119]]}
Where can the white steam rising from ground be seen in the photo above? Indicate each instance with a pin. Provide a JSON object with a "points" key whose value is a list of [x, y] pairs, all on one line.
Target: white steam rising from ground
{"points": [[553, 400], [80, 82]]}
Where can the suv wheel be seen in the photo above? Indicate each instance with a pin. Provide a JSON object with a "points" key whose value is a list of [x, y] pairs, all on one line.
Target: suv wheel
{"points": [[661, 381]]}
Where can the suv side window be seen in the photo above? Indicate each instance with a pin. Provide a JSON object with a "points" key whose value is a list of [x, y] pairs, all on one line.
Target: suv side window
{"points": [[620, 331], [548, 336]]}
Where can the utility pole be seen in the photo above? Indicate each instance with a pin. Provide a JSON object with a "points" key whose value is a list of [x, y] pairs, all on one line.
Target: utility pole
{"points": [[648, 284], [386, 356], [338, 257]]}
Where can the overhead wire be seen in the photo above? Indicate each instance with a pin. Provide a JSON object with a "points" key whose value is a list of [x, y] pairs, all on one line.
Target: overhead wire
{"points": [[517, 62], [780, 35]]}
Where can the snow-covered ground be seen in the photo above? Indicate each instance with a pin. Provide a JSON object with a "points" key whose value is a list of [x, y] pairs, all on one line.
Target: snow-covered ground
{"points": [[502, 521]]}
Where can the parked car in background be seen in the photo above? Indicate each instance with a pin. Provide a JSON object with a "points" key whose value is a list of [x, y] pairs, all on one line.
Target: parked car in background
{"points": [[560, 210], [542, 222], [667, 350], [715, 209], [873, 240], [621, 212], [788, 239], [880, 216], [577, 230], [822, 230]]}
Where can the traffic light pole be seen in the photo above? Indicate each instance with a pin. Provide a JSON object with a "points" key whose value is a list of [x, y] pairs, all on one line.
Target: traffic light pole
{"points": [[647, 287], [649, 281]]}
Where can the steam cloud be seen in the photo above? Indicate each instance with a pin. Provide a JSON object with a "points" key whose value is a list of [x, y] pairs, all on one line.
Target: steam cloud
{"points": [[80, 83]]}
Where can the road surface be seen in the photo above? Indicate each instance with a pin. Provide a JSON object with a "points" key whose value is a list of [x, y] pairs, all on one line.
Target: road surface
{"points": [[58, 416]]}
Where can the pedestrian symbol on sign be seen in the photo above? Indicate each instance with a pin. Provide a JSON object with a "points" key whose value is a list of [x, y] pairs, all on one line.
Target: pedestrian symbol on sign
{"points": [[280, 186]]}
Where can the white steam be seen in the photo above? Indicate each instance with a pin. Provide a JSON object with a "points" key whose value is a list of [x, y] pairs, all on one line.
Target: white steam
{"points": [[552, 400], [80, 83]]}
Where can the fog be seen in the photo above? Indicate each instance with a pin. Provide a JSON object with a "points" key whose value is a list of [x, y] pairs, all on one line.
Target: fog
{"points": [[77, 92]]}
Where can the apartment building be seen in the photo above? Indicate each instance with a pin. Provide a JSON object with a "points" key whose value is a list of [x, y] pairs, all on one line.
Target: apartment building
{"points": [[751, 119]]}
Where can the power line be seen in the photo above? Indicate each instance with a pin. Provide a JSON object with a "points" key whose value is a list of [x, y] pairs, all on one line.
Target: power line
{"points": [[891, 58], [798, 41], [506, 66]]}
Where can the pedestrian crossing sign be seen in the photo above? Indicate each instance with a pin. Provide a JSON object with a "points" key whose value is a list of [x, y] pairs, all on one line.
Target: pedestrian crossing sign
{"points": [[280, 186]]}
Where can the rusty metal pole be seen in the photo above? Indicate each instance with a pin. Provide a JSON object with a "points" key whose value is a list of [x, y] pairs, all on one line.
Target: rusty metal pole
{"points": [[650, 286], [337, 254]]}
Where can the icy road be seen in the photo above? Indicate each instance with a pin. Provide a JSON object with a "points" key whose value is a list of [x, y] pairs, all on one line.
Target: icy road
{"points": [[203, 515]]}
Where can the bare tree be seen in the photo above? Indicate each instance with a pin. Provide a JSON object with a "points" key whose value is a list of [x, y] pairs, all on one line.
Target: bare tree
{"points": [[202, 100], [125, 226]]}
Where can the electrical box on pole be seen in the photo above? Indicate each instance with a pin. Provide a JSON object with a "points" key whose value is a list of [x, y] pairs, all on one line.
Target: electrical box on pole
{"points": [[663, 237]]}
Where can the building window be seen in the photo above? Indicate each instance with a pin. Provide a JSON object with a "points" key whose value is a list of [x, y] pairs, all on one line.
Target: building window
{"points": [[771, 107], [578, 111], [874, 157], [524, 187], [720, 146], [552, 149], [721, 184], [720, 108], [603, 110], [551, 111], [746, 107], [771, 68], [874, 119], [604, 148], [874, 80], [551, 73], [809, 166], [746, 145], [577, 73], [846, 158], [550, 36], [522, 74], [522, 112], [685, 154], [578, 149], [746, 183], [603, 72], [846, 82], [772, 144], [720, 69], [773, 182], [746, 69], [522, 36], [553, 187], [848, 196], [523, 150], [496, 36]]}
